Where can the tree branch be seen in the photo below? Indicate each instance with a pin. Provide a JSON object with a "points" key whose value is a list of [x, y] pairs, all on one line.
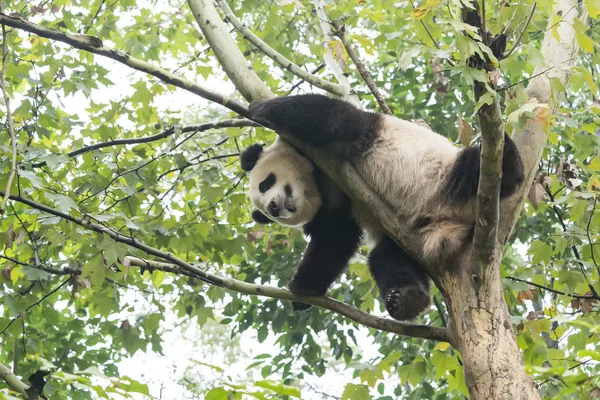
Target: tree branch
{"points": [[558, 55], [492, 146], [13, 381], [340, 31], [353, 313], [336, 89], [9, 120], [179, 266], [518, 41], [229, 55], [228, 123], [575, 296], [332, 64], [95, 45]]}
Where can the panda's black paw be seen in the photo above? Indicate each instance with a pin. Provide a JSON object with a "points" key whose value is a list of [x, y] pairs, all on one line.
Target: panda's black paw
{"points": [[406, 303], [295, 286], [299, 307]]}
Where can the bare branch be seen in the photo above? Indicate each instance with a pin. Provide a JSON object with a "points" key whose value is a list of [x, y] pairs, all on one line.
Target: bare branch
{"points": [[384, 324], [229, 55], [228, 123], [336, 89], [340, 31], [9, 120], [95, 45], [13, 381], [179, 266]]}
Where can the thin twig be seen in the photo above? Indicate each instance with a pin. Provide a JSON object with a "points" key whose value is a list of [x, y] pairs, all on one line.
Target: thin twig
{"points": [[340, 31], [591, 243], [228, 123], [56, 289], [575, 296], [9, 120], [518, 41], [438, 305], [314, 71], [573, 248]]}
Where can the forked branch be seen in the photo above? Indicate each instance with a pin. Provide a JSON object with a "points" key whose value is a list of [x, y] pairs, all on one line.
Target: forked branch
{"points": [[336, 89]]}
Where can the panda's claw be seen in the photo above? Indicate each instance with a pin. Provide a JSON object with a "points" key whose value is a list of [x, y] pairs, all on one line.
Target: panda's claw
{"points": [[406, 303]]}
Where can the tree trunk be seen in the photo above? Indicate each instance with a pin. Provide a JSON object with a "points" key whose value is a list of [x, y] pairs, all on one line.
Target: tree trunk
{"points": [[481, 329]]}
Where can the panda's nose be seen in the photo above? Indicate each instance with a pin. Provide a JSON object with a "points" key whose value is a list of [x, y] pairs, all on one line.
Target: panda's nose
{"points": [[273, 209]]}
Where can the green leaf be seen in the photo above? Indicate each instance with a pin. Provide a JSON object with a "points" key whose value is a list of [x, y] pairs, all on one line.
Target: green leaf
{"points": [[62, 203], [355, 392], [593, 7]]}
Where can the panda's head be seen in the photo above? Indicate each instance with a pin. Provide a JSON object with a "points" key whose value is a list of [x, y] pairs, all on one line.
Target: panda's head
{"points": [[282, 184]]}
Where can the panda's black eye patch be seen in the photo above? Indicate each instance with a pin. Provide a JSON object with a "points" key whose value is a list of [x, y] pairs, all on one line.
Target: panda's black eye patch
{"points": [[267, 183], [288, 190]]}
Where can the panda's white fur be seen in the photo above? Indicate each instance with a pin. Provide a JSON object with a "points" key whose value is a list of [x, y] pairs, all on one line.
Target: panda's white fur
{"points": [[291, 168], [408, 168]]}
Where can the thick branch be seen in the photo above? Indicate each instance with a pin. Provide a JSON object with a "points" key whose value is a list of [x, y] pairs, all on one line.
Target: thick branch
{"points": [[229, 55], [356, 315], [180, 266], [340, 31], [336, 89], [558, 56], [490, 177], [13, 381], [94, 45], [228, 123], [492, 145]]}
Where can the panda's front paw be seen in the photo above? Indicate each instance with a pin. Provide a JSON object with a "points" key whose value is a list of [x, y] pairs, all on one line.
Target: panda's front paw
{"points": [[407, 302], [299, 307], [298, 289]]}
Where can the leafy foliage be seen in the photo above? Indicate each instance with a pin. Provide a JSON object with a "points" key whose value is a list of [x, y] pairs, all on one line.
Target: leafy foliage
{"points": [[71, 307]]}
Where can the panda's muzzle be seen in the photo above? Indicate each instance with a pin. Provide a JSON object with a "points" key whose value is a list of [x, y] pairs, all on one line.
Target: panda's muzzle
{"points": [[275, 210]]}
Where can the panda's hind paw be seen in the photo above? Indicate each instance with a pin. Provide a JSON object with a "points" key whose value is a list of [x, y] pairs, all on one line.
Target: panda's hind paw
{"points": [[406, 303]]}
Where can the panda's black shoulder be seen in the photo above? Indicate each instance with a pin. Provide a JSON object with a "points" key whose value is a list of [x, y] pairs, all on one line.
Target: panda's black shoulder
{"points": [[336, 207]]}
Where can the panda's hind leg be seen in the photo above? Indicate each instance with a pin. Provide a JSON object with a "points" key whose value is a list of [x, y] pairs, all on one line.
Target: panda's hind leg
{"points": [[402, 282]]}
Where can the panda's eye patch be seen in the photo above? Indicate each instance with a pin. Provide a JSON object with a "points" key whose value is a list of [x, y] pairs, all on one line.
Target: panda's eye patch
{"points": [[267, 183], [288, 190]]}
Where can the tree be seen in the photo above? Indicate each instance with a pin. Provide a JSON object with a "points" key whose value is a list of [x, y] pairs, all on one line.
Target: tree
{"points": [[112, 186]]}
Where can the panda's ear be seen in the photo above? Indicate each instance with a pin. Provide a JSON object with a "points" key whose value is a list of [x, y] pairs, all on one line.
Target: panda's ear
{"points": [[250, 156], [260, 217]]}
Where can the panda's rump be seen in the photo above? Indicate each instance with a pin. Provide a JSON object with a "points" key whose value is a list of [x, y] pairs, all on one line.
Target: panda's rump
{"points": [[408, 166]]}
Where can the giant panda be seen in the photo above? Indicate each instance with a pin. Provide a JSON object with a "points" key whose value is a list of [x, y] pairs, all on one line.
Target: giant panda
{"points": [[430, 184]]}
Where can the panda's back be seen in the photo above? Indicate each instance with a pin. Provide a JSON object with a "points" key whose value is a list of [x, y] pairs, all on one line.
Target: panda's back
{"points": [[407, 163]]}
